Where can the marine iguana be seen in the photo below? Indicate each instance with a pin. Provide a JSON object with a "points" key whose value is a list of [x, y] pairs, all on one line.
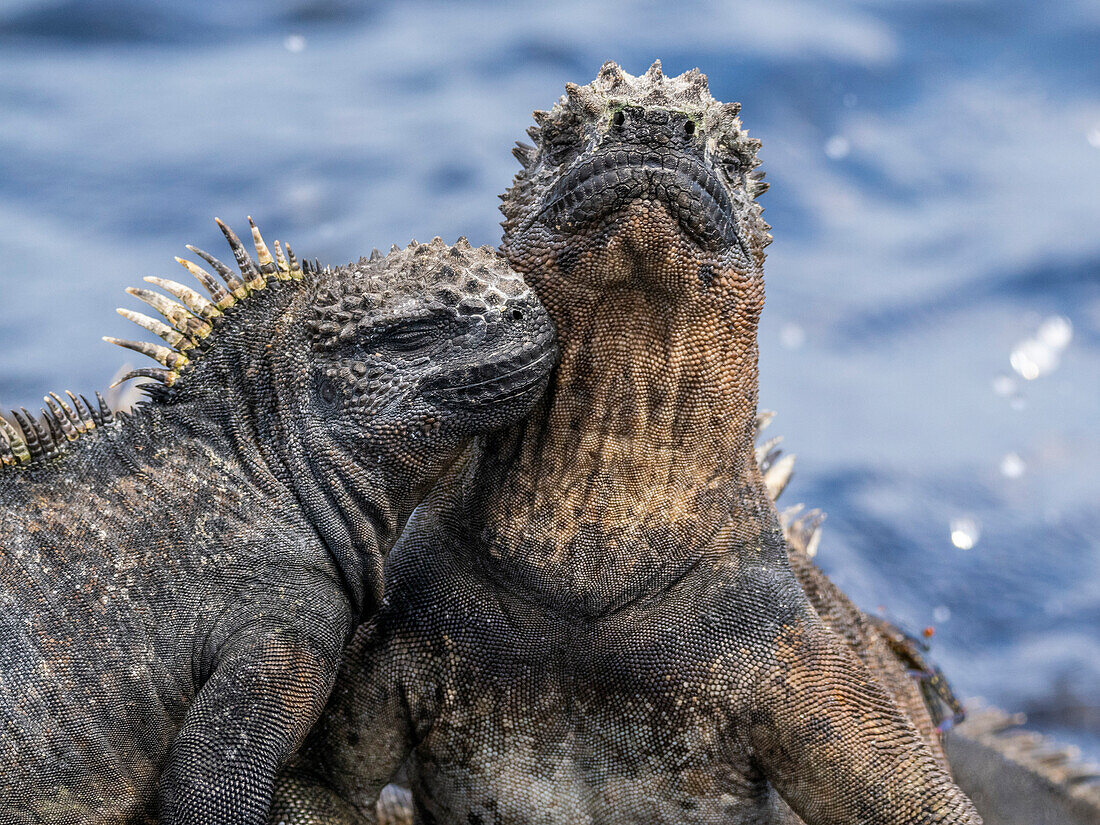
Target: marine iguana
{"points": [[596, 620], [177, 583]]}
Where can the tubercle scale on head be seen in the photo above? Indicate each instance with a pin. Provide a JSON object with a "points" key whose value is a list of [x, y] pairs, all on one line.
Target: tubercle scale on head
{"points": [[584, 111], [614, 88], [437, 274]]}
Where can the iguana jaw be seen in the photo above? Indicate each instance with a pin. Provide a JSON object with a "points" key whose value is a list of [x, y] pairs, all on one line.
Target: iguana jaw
{"points": [[603, 183]]}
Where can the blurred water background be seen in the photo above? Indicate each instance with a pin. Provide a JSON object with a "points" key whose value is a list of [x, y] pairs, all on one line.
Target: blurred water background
{"points": [[932, 334]]}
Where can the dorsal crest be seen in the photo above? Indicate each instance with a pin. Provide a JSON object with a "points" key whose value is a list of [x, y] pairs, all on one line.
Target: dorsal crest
{"points": [[188, 319], [40, 438], [191, 316]]}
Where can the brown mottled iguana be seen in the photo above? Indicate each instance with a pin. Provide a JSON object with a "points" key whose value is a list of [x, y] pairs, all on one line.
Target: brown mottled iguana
{"points": [[596, 618], [177, 583]]}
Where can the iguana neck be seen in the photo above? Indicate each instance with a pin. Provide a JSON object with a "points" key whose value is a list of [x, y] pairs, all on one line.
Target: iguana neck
{"points": [[641, 450], [240, 398], [634, 428]]}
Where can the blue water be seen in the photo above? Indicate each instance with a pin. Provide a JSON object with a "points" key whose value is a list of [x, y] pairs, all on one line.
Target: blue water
{"points": [[935, 198]]}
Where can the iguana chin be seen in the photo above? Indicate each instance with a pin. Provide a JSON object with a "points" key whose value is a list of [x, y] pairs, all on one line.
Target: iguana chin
{"points": [[597, 620], [178, 582]]}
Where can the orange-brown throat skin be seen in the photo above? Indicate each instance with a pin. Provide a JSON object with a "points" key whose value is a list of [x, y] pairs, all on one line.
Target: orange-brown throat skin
{"points": [[642, 447]]}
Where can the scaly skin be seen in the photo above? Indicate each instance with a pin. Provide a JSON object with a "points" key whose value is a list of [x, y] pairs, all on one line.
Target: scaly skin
{"points": [[1014, 776], [597, 620], [178, 584]]}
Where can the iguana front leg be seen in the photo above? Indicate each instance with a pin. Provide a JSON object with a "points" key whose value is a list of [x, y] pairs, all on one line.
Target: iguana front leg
{"points": [[833, 743], [266, 689], [355, 749]]}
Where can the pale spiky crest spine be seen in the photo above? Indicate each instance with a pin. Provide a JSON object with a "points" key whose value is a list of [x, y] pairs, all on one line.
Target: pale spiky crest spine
{"points": [[803, 530], [191, 316], [38, 439]]}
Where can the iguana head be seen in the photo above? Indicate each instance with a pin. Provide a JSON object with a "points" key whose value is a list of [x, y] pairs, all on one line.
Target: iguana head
{"points": [[411, 353], [649, 171]]}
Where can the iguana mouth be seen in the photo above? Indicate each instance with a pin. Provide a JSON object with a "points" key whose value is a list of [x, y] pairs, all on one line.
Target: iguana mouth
{"points": [[496, 382], [607, 181]]}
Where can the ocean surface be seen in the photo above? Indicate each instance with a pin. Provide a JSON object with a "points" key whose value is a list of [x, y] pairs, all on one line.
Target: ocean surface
{"points": [[931, 340]]}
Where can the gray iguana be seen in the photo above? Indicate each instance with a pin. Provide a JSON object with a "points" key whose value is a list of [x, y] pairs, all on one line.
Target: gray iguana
{"points": [[595, 619], [177, 583]]}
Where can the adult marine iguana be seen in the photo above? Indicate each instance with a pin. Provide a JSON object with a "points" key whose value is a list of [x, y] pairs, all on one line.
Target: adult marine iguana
{"points": [[177, 584], [597, 619]]}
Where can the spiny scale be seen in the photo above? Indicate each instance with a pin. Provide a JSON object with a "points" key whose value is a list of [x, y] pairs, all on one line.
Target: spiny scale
{"points": [[191, 316], [45, 437], [244, 262], [194, 302], [13, 447], [222, 299], [173, 337], [236, 286], [26, 423], [803, 530]]}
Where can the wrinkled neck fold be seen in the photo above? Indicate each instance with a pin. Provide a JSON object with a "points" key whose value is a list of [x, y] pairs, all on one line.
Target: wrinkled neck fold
{"points": [[648, 423]]}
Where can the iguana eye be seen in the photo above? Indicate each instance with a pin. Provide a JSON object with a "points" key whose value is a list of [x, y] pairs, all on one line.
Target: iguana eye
{"points": [[689, 128], [327, 390], [410, 336], [619, 118]]}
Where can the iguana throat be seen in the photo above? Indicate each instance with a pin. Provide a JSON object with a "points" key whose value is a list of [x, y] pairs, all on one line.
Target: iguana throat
{"points": [[654, 396]]}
